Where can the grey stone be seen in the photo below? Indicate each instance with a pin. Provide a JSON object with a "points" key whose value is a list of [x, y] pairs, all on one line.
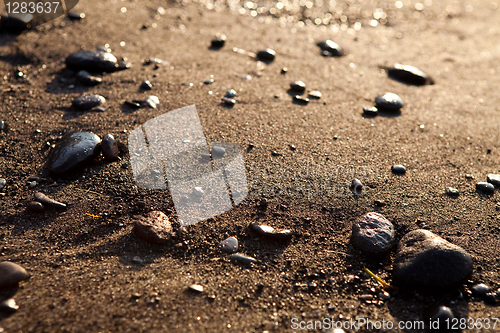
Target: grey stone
{"points": [[154, 228], [92, 61], [398, 168], [218, 152], [11, 274], [314, 94], [442, 315], [146, 85], [228, 101], [196, 288], [218, 41], [231, 93], [9, 306], [88, 102], [229, 245], [494, 179], [109, 148], [373, 234], [151, 102], [239, 258], [389, 102], [371, 111], [357, 187], [42, 198], [480, 289], [270, 232], [88, 79], [35, 206], [2, 125]]}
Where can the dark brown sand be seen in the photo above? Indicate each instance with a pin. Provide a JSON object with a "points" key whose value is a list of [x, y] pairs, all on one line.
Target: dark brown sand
{"points": [[83, 278]]}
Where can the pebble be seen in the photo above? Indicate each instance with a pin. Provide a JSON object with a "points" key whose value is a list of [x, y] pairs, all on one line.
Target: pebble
{"points": [[137, 260], [76, 16], [209, 80], [228, 101], [218, 41], [35, 206], [15, 24], [154, 228], [389, 102], [480, 289], [452, 192], [231, 93], [426, 261], [196, 288], [88, 102], [373, 234], [298, 86], [229, 245], [218, 152], [88, 79], [443, 315], [357, 186], [133, 104], [9, 306], [2, 125], [468, 176], [485, 187], [146, 85], [239, 258], [371, 111], [330, 49], [11, 274], [314, 94], [301, 100], [270, 232], [45, 200], [92, 61], [151, 102], [409, 74], [74, 151], [267, 55], [379, 203], [206, 157], [494, 179], [284, 70], [109, 148], [398, 168], [2, 183]]}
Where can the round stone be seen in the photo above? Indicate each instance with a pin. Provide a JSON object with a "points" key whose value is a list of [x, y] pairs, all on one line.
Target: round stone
{"points": [[371, 111], [494, 179], [11, 274], [485, 187], [231, 93], [242, 259], [298, 86], [452, 192], [92, 61], [480, 289], [109, 148], [266, 55], [270, 232], [229, 245], [314, 94], [45, 200], [330, 49], [88, 102], [154, 228], [218, 152], [426, 261], [373, 234], [35, 206], [409, 74], [88, 79], [398, 168], [389, 102]]}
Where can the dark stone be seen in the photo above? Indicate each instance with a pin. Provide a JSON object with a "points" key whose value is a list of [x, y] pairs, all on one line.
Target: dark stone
{"points": [[379, 203], [373, 234], [154, 228], [218, 41], [209, 80], [88, 79], [76, 16], [229, 245], [35, 206], [88, 102], [92, 61], [480, 289], [228, 101], [330, 49], [266, 55], [11, 274], [133, 105], [389, 102], [2, 125], [146, 85], [371, 111], [426, 261], [2, 183], [298, 86], [409, 74], [452, 192], [314, 94], [73, 152], [206, 157], [494, 179], [15, 24], [109, 148], [485, 187], [121, 65], [270, 232], [42, 198], [239, 258], [301, 100], [231, 93], [442, 315], [196, 288], [218, 152], [8, 306], [284, 70], [398, 168], [357, 187], [151, 102]]}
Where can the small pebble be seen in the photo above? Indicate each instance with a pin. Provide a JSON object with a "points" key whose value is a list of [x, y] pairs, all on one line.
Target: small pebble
{"points": [[398, 168], [218, 152], [389, 102], [196, 288], [218, 41], [2, 183], [357, 187], [239, 258], [298, 86], [228, 101], [151, 102], [314, 94], [409, 74], [231, 93], [229, 245], [267, 55], [373, 234], [76, 16], [206, 157], [2, 125], [379, 203], [284, 70], [480, 289], [45, 200], [146, 85], [452, 192], [133, 105], [301, 100], [468, 176], [88, 79], [92, 61], [209, 80], [88, 102], [270, 232], [11, 274], [137, 260], [35, 206], [443, 315], [109, 148], [9, 306], [485, 187], [494, 179], [154, 228], [371, 111], [330, 49]]}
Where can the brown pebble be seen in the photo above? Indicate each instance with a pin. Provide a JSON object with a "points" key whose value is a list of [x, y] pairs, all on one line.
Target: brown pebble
{"points": [[40, 197], [109, 148], [154, 228], [35, 206], [11, 274]]}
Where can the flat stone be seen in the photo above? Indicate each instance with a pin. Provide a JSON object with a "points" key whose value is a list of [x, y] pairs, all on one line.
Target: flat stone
{"points": [[88, 102], [2, 183], [45, 200], [239, 258], [298, 86], [218, 152], [452, 192], [109, 148], [301, 100], [330, 49], [389, 102], [196, 288], [371, 111], [154, 228], [485, 187], [146, 85], [151, 102], [373, 234], [88, 79], [314, 94], [270, 232], [229, 245], [35, 206], [409, 74], [92, 61], [11, 274], [266, 55], [73, 152], [426, 261], [494, 179], [398, 168]]}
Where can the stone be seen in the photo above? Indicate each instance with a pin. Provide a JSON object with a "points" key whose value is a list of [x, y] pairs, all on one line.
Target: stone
{"points": [[480, 289], [270, 232], [15, 24], [371, 111], [357, 187], [2, 125], [314, 94], [206, 157], [154, 228], [239, 258], [218, 41], [88, 79], [229, 245], [494, 179], [76, 16], [146, 85], [452, 192], [218, 152], [209, 80], [151, 102], [442, 315], [196, 288], [373, 234], [231, 93], [88, 102], [36, 207], [92, 61], [330, 49], [409, 74], [301, 100], [398, 168], [73, 152], [389, 102], [298, 86], [45, 200], [426, 261], [228, 101], [485, 187], [2, 183], [11, 274], [9, 306], [133, 104], [267, 55], [109, 148]]}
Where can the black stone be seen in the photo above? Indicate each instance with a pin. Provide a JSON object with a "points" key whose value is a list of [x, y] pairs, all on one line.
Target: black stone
{"points": [[76, 16], [485, 187], [442, 315], [239, 258], [73, 152], [132, 104], [228, 101], [398, 168], [330, 49], [480, 289], [267, 55], [494, 179], [92, 61], [146, 85], [231, 93], [15, 24], [35, 206], [8, 306], [389, 102], [11, 274], [298, 86], [109, 148], [218, 41], [357, 187], [88, 79], [88, 102], [301, 100], [229, 245], [371, 111], [409, 74], [452, 192], [428, 262], [42, 198], [270, 232], [373, 234]]}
